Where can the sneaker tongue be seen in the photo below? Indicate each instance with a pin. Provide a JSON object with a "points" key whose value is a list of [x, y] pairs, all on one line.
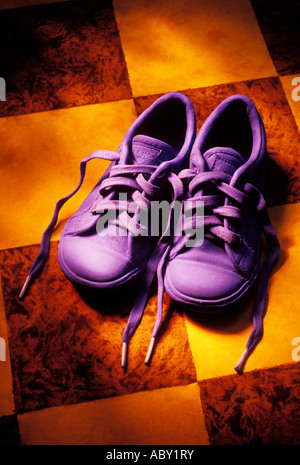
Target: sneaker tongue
{"points": [[149, 151], [223, 159]]}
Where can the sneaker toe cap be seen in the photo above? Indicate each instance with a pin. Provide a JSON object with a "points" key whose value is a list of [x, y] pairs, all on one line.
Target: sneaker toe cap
{"points": [[83, 259], [194, 282]]}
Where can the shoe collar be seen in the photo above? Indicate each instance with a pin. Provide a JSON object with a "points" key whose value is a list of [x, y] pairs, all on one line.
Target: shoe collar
{"points": [[257, 155], [175, 163]]}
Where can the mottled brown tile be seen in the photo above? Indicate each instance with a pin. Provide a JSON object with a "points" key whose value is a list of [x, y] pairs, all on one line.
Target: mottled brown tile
{"points": [[61, 55], [259, 407], [279, 23], [283, 138], [65, 343]]}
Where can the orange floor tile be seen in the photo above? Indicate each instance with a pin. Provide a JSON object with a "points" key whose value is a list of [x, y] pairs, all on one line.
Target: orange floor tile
{"points": [[50, 163], [176, 419], [218, 342], [190, 44]]}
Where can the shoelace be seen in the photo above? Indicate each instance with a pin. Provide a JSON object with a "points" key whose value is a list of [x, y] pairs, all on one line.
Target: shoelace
{"points": [[156, 265], [216, 227], [42, 256], [144, 191], [130, 177]]}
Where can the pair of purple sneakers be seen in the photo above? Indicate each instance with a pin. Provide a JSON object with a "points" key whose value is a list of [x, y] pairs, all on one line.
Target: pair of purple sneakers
{"points": [[116, 234]]}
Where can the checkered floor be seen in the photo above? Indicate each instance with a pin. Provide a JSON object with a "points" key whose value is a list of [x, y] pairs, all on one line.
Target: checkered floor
{"points": [[77, 75]]}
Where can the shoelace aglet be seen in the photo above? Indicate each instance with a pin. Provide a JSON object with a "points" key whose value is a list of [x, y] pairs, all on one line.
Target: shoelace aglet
{"points": [[124, 354], [25, 286], [240, 366], [150, 350]]}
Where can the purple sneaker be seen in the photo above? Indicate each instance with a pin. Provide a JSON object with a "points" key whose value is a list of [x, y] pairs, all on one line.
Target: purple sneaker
{"points": [[107, 254], [227, 172]]}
